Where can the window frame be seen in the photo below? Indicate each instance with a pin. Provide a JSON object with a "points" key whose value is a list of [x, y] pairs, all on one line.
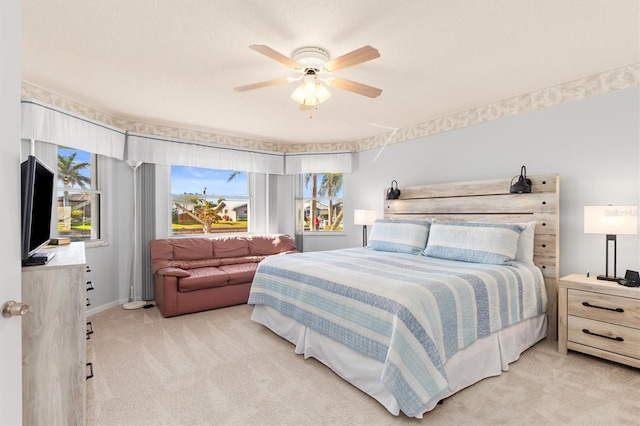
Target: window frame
{"points": [[249, 205], [97, 195], [302, 200]]}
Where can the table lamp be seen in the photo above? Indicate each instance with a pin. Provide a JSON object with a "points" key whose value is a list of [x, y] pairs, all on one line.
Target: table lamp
{"points": [[611, 221], [364, 217]]}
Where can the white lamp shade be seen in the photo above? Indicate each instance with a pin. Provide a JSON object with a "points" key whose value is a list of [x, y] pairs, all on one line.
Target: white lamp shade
{"points": [[611, 220], [310, 93], [364, 217]]}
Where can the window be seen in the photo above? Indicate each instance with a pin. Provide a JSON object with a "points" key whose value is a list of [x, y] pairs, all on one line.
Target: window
{"points": [[205, 201], [78, 195], [322, 201]]}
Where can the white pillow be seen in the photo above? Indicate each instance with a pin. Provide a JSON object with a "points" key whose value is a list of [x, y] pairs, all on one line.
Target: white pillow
{"points": [[478, 242], [399, 235], [525, 243]]}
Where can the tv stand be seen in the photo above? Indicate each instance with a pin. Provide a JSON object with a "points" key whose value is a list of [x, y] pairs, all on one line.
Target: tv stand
{"points": [[39, 259]]}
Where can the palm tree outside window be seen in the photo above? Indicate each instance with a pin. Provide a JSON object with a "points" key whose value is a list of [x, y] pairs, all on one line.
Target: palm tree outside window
{"points": [[78, 195], [322, 196]]}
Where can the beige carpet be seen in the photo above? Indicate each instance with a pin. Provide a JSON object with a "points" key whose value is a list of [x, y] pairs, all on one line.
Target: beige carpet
{"points": [[220, 368]]}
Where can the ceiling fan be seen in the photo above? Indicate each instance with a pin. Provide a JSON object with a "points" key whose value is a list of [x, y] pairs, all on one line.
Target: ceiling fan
{"points": [[315, 69]]}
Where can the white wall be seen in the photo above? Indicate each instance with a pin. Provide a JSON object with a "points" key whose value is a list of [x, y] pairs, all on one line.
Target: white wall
{"points": [[110, 264], [592, 144], [10, 288]]}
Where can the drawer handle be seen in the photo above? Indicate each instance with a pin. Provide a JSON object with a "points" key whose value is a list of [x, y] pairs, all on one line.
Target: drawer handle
{"points": [[89, 329], [617, 339], [589, 305]]}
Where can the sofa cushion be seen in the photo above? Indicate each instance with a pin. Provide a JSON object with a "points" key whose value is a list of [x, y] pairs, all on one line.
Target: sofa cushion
{"points": [[161, 252], [265, 245], [230, 247], [203, 278], [240, 273], [192, 249]]}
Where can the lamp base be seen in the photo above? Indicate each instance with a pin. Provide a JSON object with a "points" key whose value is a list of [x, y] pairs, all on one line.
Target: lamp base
{"points": [[134, 305], [607, 278]]}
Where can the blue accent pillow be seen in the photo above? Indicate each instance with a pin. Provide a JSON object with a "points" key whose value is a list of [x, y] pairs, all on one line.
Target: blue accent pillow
{"points": [[494, 243], [399, 235]]}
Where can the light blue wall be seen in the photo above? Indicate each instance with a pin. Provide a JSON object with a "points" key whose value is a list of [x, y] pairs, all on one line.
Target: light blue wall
{"points": [[592, 144]]}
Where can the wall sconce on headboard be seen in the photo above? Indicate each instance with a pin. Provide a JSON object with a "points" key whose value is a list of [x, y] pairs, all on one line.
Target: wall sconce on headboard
{"points": [[393, 193], [523, 185]]}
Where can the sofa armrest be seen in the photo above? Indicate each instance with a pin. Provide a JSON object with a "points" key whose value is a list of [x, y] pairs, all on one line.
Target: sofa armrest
{"points": [[166, 294], [173, 272]]}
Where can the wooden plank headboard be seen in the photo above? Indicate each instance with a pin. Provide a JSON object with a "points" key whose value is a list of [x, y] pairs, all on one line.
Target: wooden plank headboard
{"points": [[491, 201]]}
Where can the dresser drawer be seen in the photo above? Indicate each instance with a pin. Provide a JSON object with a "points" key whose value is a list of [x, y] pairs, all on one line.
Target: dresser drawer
{"points": [[604, 307], [608, 337]]}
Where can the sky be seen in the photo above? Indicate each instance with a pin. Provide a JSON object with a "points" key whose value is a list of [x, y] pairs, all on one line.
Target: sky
{"points": [[193, 180]]}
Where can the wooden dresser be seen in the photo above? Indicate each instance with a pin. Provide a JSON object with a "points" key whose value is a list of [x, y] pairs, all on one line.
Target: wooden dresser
{"points": [[600, 318], [54, 339]]}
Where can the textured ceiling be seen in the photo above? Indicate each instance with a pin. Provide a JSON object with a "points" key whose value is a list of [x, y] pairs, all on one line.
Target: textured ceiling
{"points": [[176, 62]]}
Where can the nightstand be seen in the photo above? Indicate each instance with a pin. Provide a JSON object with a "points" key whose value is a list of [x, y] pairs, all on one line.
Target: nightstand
{"points": [[600, 318]]}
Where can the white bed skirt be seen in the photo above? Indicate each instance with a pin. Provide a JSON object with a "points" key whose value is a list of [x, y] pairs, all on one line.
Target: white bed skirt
{"points": [[486, 357]]}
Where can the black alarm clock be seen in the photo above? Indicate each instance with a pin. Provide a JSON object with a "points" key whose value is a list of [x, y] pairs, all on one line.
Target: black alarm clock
{"points": [[631, 279]]}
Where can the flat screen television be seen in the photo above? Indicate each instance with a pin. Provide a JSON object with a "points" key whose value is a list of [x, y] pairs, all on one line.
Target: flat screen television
{"points": [[37, 198]]}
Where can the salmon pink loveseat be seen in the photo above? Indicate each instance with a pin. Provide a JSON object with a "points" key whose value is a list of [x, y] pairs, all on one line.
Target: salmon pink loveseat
{"points": [[197, 274]]}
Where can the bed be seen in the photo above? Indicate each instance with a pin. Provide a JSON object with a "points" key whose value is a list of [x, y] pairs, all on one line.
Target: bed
{"points": [[409, 322]]}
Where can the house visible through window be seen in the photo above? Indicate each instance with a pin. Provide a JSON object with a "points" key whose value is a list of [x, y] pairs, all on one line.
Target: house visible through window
{"points": [[322, 201], [78, 195], [207, 201]]}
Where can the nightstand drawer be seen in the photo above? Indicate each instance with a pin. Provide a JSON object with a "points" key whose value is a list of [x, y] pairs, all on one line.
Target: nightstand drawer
{"points": [[604, 307], [605, 336]]}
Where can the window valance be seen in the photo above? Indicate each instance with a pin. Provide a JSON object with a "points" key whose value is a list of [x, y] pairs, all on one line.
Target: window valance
{"points": [[322, 162], [164, 150], [47, 123]]}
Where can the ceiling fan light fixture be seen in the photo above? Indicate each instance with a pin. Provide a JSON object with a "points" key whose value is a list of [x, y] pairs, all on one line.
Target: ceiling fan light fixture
{"points": [[311, 93], [315, 68]]}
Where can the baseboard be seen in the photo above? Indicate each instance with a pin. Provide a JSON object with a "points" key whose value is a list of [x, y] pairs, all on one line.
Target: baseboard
{"points": [[99, 309]]}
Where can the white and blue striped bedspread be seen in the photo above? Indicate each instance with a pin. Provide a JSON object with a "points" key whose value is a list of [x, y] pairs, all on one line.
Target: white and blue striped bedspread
{"points": [[407, 311]]}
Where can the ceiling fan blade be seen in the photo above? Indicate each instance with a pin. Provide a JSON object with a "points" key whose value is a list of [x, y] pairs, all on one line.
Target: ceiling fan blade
{"points": [[277, 56], [274, 82], [358, 56], [352, 86]]}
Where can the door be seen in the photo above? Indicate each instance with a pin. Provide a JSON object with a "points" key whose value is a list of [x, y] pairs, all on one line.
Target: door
{"points": [[10, 288]]}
